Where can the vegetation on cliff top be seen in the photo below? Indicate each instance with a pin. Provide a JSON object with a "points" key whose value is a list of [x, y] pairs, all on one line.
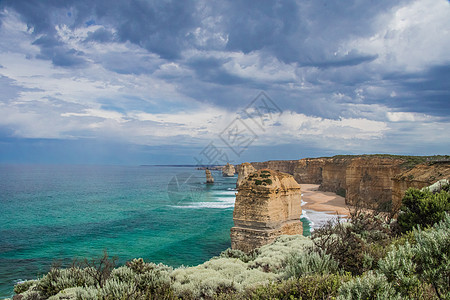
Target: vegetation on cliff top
{"points": [[371, 256], [410, 161]]}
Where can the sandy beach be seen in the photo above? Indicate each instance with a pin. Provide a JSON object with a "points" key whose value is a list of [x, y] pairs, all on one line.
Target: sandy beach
{"points": [[323, 201]]}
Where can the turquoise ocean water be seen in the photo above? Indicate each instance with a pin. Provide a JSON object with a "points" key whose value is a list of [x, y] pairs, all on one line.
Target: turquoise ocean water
{"points": [[58, 213]]}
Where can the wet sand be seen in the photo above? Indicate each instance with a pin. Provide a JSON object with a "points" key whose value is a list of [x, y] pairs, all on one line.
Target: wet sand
{"points": [[323, 201]]}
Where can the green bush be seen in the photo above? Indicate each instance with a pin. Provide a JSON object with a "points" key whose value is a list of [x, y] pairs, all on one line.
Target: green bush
{"points": [[306, 287], [422, 208], [400, 270], [234, 253], [24, 286], [272, 257], [432, 256], [309, 263], [356, 245], [369, 286], [60, 279]]}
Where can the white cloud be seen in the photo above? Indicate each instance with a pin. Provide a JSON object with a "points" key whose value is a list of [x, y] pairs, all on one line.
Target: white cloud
{"points": [[408, 117], [410, 37]]}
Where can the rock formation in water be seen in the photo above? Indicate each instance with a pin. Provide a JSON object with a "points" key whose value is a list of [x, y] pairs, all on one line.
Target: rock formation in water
{"points": [[209, 177], [244, 170], [267, 206], [362, 179], [228, 170], [420, 176]]}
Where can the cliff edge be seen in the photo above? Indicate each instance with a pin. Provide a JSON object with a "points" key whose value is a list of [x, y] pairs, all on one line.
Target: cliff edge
{"points": [[267, 206]]}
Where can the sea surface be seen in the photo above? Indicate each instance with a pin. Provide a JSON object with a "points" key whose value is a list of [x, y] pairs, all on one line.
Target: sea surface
{"points": [[56, 213]]}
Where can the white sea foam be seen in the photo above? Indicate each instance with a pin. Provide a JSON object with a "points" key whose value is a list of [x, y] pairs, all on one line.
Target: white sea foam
{"points": [[220, 202], [318, 218], [229, 192]]}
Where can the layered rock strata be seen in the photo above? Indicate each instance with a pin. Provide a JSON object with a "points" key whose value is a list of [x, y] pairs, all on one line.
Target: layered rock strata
{"points": [[420, 176], [244, 170], [285, 166], [209, 177], [267, 206], [366, 180], [309, 170], [228, 170]]}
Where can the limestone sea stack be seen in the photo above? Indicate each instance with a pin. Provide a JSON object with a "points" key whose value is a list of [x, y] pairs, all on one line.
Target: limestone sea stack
{"points": [[209, 177], [228, 170], [245, 169], [267, 206]]}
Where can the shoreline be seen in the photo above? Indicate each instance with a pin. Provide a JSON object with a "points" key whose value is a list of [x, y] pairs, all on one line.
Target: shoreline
{"points": [[326, 202]]}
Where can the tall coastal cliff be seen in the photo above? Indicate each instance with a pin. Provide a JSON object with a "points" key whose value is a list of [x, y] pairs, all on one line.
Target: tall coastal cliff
{"points": [[268, 204], [368, 180], [420, 176]]}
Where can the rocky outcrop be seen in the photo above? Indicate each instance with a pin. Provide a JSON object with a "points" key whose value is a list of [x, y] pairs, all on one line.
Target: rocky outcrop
{"points": [[267, 206], [244, 170], [228, 170], [209, 177], [420, 176]]}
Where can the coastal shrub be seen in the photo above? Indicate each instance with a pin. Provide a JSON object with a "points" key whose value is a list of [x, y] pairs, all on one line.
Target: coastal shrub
{"points": [[24, 286], [116, 289], [422, 208], [357, 244], [432, 256], [100, 268], [215, 276], [369, 286], [57, 280], [76, 293], [30, 294], [234, 253], [272, 257], [87, 293], [309, 263], [306, 287], [144, 278], [400, 270]]}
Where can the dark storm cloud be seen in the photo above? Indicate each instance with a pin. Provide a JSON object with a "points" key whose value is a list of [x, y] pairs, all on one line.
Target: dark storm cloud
{"points": [[58, 53], [158, 26], [351, 59], [101, 35], [423, 92], [305, 33], [211, 69], [299, 31]]}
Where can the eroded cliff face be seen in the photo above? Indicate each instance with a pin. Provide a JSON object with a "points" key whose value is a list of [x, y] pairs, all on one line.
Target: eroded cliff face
{"points": [[365, 179], [244, 170], [309, 170], [334, 175], [368, 181], [267, 206], [418, 177]]}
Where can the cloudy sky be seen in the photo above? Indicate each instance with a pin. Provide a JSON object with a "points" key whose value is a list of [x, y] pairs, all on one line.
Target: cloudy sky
{"points": [[158, 82]]}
